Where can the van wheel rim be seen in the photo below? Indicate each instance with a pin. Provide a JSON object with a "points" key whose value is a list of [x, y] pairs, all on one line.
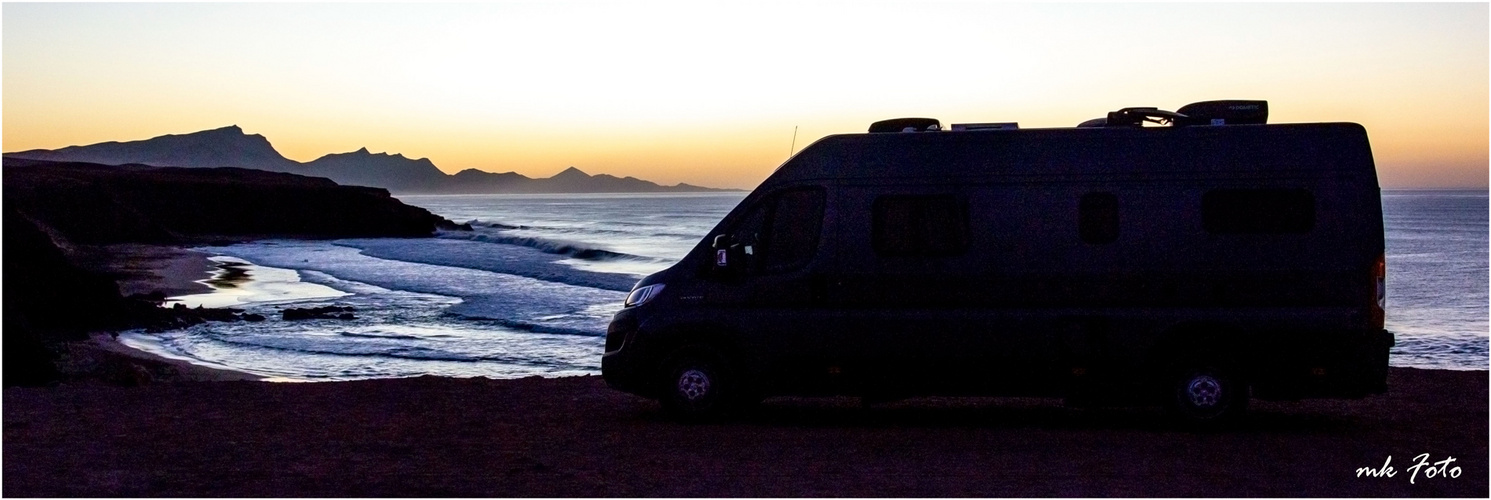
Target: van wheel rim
{"points": [[693, 384], [1204, 391]]}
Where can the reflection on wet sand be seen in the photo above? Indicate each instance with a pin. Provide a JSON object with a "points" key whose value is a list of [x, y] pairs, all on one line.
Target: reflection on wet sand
{"points": [[229, 274], [236, 282]]}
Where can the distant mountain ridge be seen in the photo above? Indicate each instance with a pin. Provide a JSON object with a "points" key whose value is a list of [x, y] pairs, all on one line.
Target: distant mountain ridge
{"points": [[222, 147], [231, 147]]}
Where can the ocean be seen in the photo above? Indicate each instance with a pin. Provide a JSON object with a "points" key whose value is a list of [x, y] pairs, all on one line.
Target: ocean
{"points": [[1437, 278], [531, 289]]}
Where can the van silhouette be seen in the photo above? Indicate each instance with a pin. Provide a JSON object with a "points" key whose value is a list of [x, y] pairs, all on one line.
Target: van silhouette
{"points": [[1193, 265]]}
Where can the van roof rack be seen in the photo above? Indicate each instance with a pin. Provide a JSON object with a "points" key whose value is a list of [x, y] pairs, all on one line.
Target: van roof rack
{"points": [[1203, 113]]}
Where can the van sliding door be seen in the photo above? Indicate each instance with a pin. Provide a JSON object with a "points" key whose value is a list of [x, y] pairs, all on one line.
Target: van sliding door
{"points": [[907, 258]]}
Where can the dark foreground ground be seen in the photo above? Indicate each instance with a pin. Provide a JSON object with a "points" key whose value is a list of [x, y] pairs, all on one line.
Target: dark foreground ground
{"points": [[573, 437]]}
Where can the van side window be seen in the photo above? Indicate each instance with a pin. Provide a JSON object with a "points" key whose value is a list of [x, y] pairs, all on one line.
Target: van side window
{"points": [[919, 226], [747, 233], [780, 232], [793, 225], [1097, 218], [1258, 211]]}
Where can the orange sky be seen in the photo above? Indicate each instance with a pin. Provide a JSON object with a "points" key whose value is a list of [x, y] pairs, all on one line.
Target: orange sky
{"points": [[710, 94]]}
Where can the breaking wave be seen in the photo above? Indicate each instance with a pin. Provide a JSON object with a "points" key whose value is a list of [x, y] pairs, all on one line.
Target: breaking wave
{"points": [[557, 247]]}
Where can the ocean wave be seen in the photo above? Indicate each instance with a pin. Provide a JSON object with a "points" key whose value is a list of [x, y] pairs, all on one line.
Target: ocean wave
{"points": [[644, 229], [464, 253], [684, 236], [488, 227], [506, 226], [395, 336], [558, 247], [496, 225], [525, 326]]}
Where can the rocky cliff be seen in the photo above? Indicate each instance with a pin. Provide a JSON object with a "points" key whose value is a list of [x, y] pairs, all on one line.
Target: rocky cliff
{"points": [[99, 204]]}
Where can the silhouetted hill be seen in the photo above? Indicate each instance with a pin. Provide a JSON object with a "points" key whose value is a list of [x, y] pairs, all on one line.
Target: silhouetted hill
{"points": [[473, 181], [230, 147], [223, 147], [573, 180], [389, 171]]}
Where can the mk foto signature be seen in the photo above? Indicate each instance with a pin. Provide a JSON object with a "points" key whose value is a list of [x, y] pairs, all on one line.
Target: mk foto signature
{"points": [[1440, 469]]}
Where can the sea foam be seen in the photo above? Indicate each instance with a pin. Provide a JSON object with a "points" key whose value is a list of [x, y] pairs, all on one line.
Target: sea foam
{"points": [[529, 303]]}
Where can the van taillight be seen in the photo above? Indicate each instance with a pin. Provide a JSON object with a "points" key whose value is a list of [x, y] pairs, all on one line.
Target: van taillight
{"points": [[1379, 275]]}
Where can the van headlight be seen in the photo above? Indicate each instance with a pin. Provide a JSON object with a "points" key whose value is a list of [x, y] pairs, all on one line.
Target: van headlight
{"points": [[643, 294]]}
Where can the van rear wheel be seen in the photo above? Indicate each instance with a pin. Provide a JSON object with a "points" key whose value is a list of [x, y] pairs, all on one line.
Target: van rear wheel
{"points": [[1207, 396], [697, 386]]}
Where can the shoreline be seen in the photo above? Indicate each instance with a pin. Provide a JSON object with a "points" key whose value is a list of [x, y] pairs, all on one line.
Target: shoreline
{"points": [[144, 269], [106, 345]]}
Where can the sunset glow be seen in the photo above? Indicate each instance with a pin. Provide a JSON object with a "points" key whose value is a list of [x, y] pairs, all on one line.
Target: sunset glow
{"points": [[710, 94]]}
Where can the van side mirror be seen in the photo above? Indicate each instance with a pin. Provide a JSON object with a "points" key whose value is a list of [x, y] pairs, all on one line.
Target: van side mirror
{"points": [[721, 250], [731, 259]]}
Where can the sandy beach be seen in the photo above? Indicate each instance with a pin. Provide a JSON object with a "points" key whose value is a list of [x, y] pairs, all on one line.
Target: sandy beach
{"points": [[574, 437], [102, 354], [143, 269]]}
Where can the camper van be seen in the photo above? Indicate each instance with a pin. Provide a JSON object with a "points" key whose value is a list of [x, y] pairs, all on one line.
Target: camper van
{"points": [[1191, 259]]}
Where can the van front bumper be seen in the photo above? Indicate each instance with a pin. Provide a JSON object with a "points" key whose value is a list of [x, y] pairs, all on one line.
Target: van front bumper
{"points": [[621, 366]]}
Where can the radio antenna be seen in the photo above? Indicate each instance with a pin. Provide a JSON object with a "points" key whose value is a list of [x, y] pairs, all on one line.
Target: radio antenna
{"points": [[794, 142]]}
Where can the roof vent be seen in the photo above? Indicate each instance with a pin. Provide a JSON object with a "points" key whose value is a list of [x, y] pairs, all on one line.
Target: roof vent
{"points": [[906, 125]]}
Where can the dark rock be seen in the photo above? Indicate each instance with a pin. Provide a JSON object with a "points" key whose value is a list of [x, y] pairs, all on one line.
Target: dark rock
{"points": [[43, 296], [451, 226], [253, 318], [156, 296], [324, 312]]}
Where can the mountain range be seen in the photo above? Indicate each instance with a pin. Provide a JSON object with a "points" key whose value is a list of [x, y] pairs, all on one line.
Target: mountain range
{"points": [[231, 147]]}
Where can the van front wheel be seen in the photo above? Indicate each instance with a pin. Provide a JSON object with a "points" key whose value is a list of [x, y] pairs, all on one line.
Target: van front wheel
{"points": [[696, 386], [1207, 396]]}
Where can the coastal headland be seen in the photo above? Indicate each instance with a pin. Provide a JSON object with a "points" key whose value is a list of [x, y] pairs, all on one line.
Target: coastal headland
{"points": [[73, 231]]}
